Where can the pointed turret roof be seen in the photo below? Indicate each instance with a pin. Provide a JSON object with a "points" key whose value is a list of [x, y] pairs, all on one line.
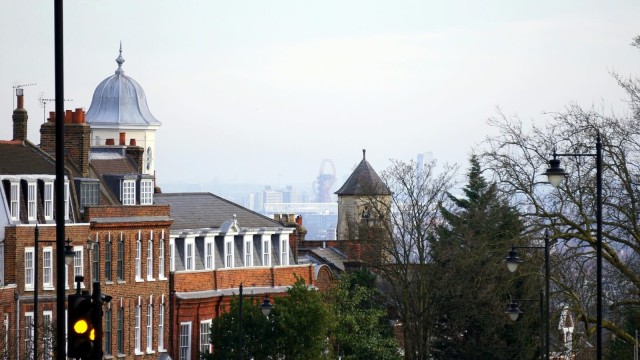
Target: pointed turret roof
{"points": [[364, 181]]}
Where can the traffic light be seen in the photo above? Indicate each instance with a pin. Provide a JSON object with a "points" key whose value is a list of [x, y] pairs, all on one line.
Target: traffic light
{"points": [[81, 330]]}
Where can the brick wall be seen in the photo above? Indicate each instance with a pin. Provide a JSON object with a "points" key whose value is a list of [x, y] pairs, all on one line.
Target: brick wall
{"points": [[125, 211]]}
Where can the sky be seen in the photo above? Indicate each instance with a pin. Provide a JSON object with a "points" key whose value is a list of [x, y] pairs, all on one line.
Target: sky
{"points": [[260, 92]]}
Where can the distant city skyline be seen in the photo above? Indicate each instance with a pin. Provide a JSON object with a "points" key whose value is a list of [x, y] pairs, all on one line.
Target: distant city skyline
{"points": [[261, 92]]}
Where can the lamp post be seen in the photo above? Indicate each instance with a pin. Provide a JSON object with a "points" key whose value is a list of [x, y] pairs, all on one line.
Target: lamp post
{"points": [[555, 175], [68, 257], [512, 264], [513, 311], [240, 324]]}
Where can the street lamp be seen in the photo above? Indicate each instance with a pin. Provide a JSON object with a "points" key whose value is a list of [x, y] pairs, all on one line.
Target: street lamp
{"points": [[266, 306], [512, 264], [555, 175], [68, 257], [513, 311]]}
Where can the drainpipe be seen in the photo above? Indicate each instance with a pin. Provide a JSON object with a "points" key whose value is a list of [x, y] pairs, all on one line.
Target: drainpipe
{"points": [[17, 298]]}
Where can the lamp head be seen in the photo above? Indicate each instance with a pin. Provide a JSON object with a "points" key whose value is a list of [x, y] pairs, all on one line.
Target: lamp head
{"points": [[513, 311], [512, 260], [69, 254], [555, 174], [266, 306]]}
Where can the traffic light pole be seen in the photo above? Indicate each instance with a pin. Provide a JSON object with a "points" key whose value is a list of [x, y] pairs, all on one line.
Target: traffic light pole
{"points": [[96, 319]]}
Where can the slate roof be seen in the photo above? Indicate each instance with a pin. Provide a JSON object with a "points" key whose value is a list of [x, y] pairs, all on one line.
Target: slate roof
{"points": [[23, 158], [364, 181], [111, 160], [329, 256], [206, 210]]}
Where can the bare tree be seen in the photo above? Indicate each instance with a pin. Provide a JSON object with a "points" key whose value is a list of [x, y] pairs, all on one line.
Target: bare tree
{"points": [[396, 233]]}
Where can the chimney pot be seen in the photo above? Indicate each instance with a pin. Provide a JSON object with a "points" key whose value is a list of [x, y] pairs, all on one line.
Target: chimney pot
{"points": [[52, 116], [110, 142], [123, 137], [132, 142]]}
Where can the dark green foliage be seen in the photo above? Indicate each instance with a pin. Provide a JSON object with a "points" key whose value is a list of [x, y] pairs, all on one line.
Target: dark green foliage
{"points": [[471, 285], [362, 329]]}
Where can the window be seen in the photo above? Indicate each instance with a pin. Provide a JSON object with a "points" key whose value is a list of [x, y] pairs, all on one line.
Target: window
{"points": [[284, 251], [172, 263], [161, 327], [5, 354], [107, 332], [188, 254], [78, 261], [266, 253], [150, 257], [161, 257], [138, 255], [205, 331], [95, 273], [15, 201], [248, 251], [31, 201], [121, 258], [47, 335], [208, 250], [185, 341], [107, 258], [28, 334], [146, 192], [47, 274], [66, 200], [149, 327], [128, 192], [28, 268], [120, 330], [89, 194], [48, 201], [228, 252], [136, 333]]}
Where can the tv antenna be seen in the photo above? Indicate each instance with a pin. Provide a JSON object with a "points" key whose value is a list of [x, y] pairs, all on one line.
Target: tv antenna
{"points": [[43, 105], [13, 91]]}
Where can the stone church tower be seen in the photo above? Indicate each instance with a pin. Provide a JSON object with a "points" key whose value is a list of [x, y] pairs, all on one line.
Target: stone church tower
{"points": [[363, 200], [119, 115]]}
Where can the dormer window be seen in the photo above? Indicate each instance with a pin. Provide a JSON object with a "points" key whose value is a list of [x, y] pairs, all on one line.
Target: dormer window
{"points": [[15, 201], [128, 192], [48, 201], [31, 200], [89, 193], [146, 192]]}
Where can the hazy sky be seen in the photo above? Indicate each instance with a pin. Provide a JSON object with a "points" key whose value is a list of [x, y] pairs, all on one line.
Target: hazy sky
{"points": [[263, 91]]}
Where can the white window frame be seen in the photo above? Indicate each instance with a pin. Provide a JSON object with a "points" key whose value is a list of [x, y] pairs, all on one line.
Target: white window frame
{"points": [[248, 250], [205, 332], [29, 259], [189, 258], [66, 200], [32, 192], [78, 263], [146, 192], [150, 257], [28, 334], [266, 250], [47, 335], [161, 327], [228, 252], [150, 327], [284, 250], [47, 268], [184, 343], [209, 247], [15, 201], [128, 192], [138, 258], [48, 200], [136, 330], [172, 255], [161, 257]]}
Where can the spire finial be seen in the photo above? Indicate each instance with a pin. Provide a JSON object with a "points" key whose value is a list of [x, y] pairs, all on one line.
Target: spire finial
{"points": [[120, 60], [364, 154]]}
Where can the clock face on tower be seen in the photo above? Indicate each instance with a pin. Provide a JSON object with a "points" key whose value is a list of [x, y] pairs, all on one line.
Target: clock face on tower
{"points": [[149, 158]]}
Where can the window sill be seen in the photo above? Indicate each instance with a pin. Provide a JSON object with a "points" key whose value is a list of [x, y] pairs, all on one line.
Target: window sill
{"points": [[121, 355], [139, 280], [162, 350], [151, 279], [138, 353], [108, 282], [29, 289], [48, 287], [162, 278], [108, 356], [121, 282], [150, 351]]}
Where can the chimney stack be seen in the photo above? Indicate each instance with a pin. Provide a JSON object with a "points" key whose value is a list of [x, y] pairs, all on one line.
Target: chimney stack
{"points": [[77, 138], [20, 118]]}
